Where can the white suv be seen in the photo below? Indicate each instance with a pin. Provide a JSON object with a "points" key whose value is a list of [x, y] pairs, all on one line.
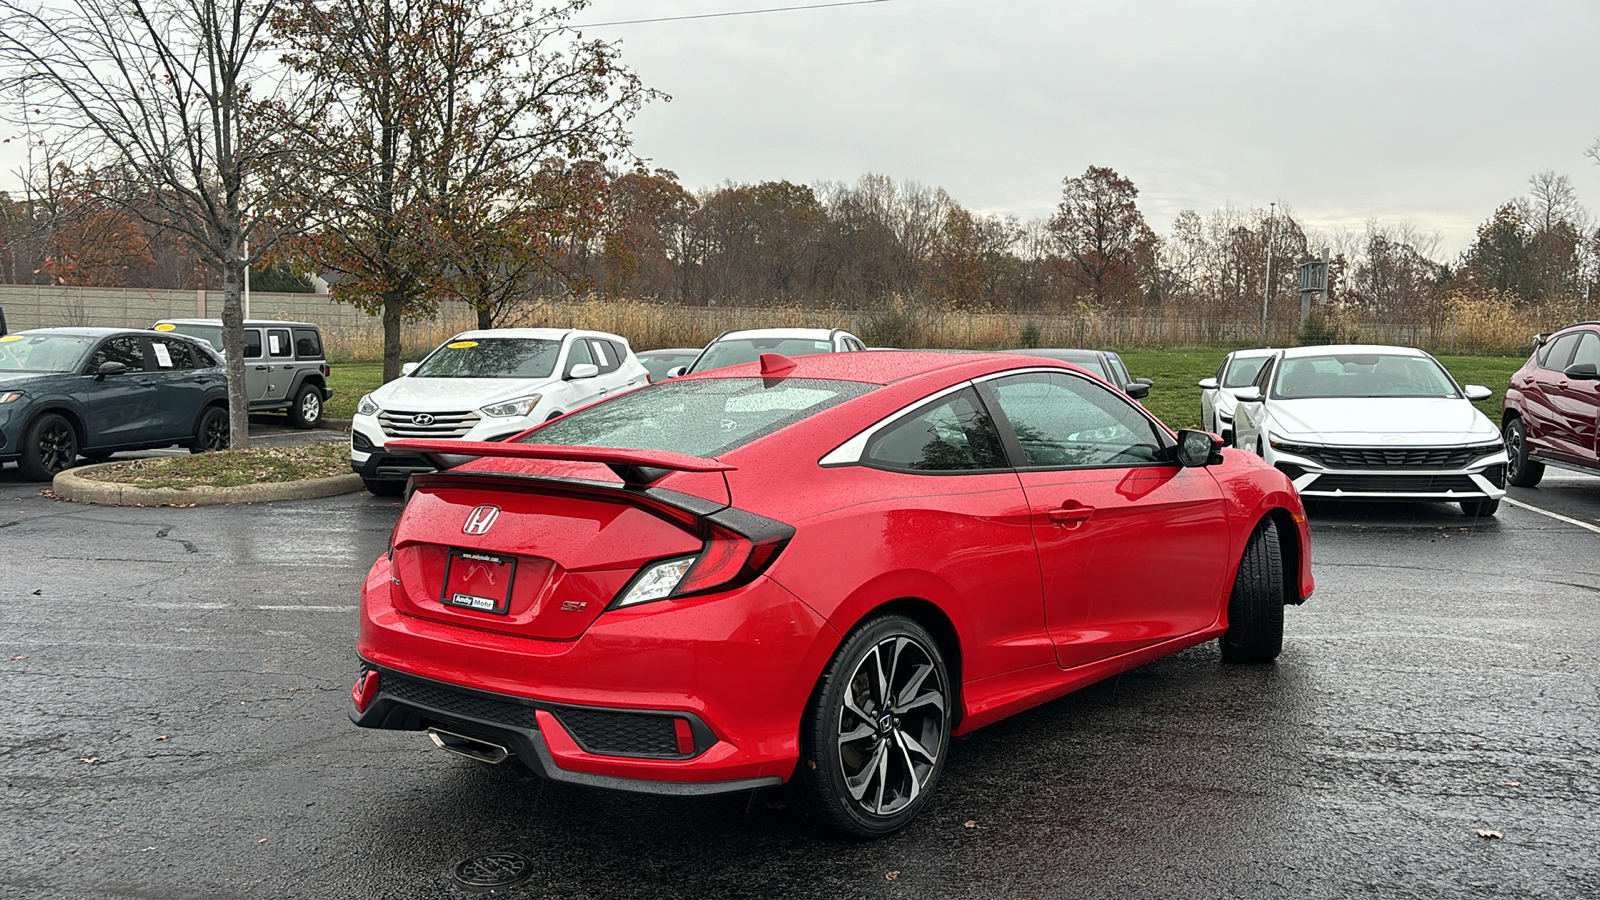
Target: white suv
{"points": [[485, 386]]}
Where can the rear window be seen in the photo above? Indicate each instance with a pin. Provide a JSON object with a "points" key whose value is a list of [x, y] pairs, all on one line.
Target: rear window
{"points": [[700, 417], [307, 343]]}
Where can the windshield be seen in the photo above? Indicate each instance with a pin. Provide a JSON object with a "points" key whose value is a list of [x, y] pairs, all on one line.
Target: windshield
{"points": [[24, 352], [702, 417], [1243, 372], [737, 351], [1362, 375], [211, 334], [492, 358]]}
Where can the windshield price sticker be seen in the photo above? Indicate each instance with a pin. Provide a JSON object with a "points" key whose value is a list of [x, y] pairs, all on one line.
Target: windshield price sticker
{"points": [[480, 581], [461, 345], [166, 326]]}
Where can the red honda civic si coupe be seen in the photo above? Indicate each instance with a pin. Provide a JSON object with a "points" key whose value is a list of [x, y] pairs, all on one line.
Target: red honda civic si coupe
{"points": [[813, 571]]}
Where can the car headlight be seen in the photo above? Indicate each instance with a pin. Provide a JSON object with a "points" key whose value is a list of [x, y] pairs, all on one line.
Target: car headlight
{"points": [[521, 406], [366, 407], [1296, 449], [10, 396], [656, 581]]}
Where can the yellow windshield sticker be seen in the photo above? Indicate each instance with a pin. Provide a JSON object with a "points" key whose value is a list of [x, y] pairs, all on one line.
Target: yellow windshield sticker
{"points": [[9, 338], [166, 326], [462, 345]]}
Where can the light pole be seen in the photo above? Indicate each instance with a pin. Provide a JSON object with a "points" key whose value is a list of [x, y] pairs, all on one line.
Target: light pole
{"points": [[1266, 289]]}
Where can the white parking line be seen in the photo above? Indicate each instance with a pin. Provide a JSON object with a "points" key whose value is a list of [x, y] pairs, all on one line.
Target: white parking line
{"points": [[1557, 516], [313, 608]]}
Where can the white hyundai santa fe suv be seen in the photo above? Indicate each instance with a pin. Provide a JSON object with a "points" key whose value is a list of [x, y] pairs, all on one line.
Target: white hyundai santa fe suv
{"points": [[485, 386]]}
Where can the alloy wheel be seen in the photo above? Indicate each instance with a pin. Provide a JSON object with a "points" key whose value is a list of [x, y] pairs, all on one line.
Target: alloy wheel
{"points": [[310, 407], [216, 433], [891, 725], [58, 446]]}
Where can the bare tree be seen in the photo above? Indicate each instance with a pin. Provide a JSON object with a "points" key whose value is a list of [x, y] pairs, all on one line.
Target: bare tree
{"points": [[169, 107]]}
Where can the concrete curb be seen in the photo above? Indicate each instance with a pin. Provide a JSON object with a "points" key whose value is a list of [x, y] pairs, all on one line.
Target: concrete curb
{"points": [[72, 485]]}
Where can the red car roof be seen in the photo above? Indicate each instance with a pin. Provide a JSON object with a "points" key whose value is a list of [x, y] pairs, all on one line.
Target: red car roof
{"points": [[881, 366]]}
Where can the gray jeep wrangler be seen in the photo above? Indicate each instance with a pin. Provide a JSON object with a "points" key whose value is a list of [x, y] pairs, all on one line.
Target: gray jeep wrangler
{"points": [[285, 367]]}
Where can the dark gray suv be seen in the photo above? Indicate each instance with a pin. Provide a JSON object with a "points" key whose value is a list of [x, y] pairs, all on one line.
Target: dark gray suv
{"points": [[285, 367]]}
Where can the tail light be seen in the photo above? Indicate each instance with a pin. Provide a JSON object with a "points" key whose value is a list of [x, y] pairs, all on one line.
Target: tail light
{"points": [[739, 547]]}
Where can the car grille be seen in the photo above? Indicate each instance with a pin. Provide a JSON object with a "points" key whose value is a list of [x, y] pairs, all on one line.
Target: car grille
{"points": [[1396, 458], [1394, 484], [398, 423], [446, 700], [621, 734]]}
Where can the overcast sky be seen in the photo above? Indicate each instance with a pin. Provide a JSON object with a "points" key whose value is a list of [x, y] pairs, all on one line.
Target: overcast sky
{"points": [[1403, 111]]}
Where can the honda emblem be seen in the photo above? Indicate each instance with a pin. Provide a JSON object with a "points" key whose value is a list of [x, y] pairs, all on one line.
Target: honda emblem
{"points": [[481, 519]]}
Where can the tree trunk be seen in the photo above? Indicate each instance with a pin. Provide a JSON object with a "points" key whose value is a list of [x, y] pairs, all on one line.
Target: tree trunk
{"points": [[394, 303], [233, 348]]}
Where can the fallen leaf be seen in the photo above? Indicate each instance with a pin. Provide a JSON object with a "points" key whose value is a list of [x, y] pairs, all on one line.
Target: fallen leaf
{"points": [[891, 876], [19, 658], [89, 760], [262, 841], [161, 737], [1513, 784], [1486, 833], [970, 823], [39, 592]]}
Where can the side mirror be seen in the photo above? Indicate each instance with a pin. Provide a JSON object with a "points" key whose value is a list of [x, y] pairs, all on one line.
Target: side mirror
{"points": [[1208, 384], [1476, 392], [675, 371], [1251, 394], [408, 368], [1146, 382], [1136, 390], [1198, 448], [110, 367], [582, 371], [1580, 371]]}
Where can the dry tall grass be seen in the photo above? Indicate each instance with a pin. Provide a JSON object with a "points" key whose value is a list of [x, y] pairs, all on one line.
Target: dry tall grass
{"points": [[1481, 324]]}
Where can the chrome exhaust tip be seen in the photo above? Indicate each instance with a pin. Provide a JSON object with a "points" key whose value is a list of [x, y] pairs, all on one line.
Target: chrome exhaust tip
{"points": [[472, 748]]}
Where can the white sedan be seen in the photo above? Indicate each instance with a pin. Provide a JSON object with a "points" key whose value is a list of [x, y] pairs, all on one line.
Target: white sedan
{"points": [[1238, 370], [1372, 423]]}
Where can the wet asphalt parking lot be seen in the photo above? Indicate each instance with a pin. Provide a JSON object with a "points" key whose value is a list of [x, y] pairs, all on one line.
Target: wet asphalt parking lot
{"points": [[173, 688]]}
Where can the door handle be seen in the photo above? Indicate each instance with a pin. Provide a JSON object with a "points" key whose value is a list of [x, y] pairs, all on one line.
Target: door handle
{"points": [[1071, 511], [263, 368]]}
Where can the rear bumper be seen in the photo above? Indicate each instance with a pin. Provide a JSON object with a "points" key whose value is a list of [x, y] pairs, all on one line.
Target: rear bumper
{"points": [[530, 729], [737, 669]]}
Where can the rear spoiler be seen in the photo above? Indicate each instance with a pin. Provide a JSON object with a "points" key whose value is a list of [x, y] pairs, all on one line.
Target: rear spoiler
{"points": [[634, 467]]}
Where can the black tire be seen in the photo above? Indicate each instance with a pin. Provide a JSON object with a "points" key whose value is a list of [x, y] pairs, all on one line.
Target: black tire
{"points": [[384, 487], [1481, 508], [49, 446], [846, 729], [306, 410], [1255, 608], [213, 433], [1520, 470]]}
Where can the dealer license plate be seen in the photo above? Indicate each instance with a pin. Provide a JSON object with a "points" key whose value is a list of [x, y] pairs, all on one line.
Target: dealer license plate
{"points": [[477, 580]]}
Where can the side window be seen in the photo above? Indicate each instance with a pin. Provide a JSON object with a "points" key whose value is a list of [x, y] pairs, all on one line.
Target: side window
{"points": [[1064, 421], [618, 352], [604, 355], [204, 358], [278, 343], [578, 355], [853, 344], [252, 343], [127, 349], [954, 434], [1223, 366], [171, 354], [1119, 372], [1588, 350], [307, 343], [1560, 353]]}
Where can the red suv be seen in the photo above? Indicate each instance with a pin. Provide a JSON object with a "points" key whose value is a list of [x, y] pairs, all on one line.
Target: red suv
{"points": [[1552, 405]]}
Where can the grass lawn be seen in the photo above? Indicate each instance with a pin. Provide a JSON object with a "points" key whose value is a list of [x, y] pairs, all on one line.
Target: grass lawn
{"points": [[230, 468], [1175, 398], [350, 381]]}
